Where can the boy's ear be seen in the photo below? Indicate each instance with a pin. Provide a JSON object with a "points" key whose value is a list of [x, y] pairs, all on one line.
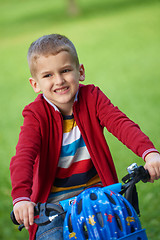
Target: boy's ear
{"points": [[82, 72], [34, 85]]}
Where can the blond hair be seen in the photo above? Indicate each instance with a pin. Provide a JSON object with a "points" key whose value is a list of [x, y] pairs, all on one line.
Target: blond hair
{"points": [[50, 45]]}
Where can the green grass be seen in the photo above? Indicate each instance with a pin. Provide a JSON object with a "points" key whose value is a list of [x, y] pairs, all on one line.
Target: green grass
{"points": [[118, 42]]}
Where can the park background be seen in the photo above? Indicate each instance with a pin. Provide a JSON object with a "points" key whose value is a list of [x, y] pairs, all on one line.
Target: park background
{"points": [[118, 41]]}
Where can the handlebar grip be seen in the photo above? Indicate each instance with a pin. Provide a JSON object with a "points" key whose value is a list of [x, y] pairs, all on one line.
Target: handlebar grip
{"points": [[146, 176], [12, 216]]}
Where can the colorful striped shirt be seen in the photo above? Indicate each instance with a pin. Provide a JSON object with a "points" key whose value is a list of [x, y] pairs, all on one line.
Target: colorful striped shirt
{"points": [[75, 170]]}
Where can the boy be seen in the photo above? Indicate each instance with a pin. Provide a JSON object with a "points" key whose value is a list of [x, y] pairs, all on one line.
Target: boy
{"points": [[61, 148]]}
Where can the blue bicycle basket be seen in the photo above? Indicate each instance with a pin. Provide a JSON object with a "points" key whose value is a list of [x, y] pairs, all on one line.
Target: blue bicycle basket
{"points": [[100, 214]]}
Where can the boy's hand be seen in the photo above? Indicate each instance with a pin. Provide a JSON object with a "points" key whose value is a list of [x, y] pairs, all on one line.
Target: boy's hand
{"points": [[24, 213], [153, 165]]}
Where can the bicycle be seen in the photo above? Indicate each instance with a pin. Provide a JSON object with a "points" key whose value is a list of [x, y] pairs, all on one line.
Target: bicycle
{"points": [[128, 188]]}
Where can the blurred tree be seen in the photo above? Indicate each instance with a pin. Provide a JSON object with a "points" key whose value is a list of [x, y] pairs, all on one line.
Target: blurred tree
{"points": [[73, 8]]}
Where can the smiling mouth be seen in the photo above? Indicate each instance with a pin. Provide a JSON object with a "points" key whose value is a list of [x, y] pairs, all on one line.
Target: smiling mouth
{"points": [[61, 90]]}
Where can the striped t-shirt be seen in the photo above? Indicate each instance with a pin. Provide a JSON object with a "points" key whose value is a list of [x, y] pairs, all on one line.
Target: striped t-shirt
{"points": [[75, 170]]}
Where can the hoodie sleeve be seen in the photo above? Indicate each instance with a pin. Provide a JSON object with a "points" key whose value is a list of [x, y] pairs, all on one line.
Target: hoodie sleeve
{"points": [[27, 153], [124, 129]]}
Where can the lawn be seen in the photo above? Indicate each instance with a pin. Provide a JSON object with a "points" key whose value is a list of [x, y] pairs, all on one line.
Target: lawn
{"points": [[118, 42]]}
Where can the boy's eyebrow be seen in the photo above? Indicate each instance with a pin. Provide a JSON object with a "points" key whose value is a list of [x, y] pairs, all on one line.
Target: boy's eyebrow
{"points": [[67, 65]]}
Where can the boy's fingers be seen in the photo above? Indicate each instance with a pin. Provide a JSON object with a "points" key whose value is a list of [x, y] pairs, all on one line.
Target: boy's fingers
{"points": [[154, 174], [31, 215], [24, 213], [17, 216], [157, 176], [26, 218]]}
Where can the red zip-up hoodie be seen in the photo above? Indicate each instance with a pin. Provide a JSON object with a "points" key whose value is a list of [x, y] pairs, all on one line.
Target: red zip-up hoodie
{"points": [[33, 168]]}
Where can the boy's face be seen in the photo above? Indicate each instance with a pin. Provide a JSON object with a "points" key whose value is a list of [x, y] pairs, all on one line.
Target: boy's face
{"points": [[57, 77]]}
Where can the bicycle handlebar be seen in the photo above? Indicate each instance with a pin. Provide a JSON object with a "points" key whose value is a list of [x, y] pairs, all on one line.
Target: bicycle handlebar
{"points": [[135, 174]]}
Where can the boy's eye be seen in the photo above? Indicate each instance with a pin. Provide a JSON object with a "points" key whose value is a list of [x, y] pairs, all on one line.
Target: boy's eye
{"points": [[47, 75], [65, 70]]}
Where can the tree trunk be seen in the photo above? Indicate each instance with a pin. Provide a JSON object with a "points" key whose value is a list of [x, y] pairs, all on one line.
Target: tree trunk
{"points": [[73, 8]]}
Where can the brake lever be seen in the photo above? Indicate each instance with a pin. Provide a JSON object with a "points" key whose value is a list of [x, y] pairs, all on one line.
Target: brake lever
{"points": [[139, 173], [42, 211], [135, 174]]}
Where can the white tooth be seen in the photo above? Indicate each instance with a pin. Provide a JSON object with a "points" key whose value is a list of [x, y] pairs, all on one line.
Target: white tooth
{"points": [[61, 90]]}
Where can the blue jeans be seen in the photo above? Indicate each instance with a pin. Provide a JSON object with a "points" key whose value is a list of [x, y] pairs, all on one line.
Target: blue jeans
{"points": [[52, 231]]}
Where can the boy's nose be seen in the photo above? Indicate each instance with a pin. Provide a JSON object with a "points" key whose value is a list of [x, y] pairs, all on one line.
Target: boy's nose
{"points": [[59, 79]]}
